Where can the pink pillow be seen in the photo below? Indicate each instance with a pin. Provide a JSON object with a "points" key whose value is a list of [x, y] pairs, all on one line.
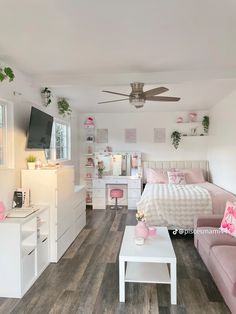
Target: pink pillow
{"points": [[176, 177], [157, 175], [193, 176], [228, 224]]}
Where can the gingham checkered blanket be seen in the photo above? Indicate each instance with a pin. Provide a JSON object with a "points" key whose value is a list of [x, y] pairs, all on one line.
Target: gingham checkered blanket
{"points": [[174, 206]]}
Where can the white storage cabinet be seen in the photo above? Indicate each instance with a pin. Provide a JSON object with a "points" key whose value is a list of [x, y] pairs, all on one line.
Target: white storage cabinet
{"points": [[67, 204], [24, 252]]}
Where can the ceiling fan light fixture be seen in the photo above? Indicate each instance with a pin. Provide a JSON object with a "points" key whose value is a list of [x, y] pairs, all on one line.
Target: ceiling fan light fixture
{"points": [[137, 102]]}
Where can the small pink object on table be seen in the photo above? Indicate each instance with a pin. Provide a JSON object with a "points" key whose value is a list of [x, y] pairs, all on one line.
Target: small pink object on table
{"points": [[152, 231], [2, 211], [141, 230]]}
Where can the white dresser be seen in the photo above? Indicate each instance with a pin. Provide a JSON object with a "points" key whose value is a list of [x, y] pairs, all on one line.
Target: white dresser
{"points": [[99, 190], [67, 204], [24, 248]]}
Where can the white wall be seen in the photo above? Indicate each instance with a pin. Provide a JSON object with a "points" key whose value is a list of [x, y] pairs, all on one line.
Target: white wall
{"points": [[222, 143], [191, 148], [21, 111]]}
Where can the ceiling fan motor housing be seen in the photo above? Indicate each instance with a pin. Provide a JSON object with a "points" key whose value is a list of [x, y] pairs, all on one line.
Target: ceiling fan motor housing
{"points": [[137, 96]]}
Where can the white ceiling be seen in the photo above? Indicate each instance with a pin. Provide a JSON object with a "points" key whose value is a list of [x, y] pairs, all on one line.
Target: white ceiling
{"points": [[72, 45]]}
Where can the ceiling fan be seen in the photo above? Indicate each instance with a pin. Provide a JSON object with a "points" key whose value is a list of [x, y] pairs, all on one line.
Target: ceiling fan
{"points": [[137, 97]]}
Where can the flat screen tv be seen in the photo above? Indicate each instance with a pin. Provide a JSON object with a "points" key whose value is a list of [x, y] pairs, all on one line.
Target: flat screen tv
{"points": [[40, 129]]}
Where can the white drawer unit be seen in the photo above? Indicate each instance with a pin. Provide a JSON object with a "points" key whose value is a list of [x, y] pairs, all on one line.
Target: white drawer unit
{"points": [[99, 190], [28, 255], [67, 202]]}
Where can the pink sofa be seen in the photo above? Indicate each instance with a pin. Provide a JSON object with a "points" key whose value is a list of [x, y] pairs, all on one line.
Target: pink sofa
{"points": [[218, 251]]}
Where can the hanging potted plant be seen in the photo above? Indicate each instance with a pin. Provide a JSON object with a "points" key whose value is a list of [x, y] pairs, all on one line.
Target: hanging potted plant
{"points": [[63, 107], [6, 73], [176, 137], [46, 95], [205, 124], [31, 159]]}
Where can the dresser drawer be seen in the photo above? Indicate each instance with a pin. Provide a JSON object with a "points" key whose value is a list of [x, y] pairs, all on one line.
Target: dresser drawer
{"points": [[134, 183], [99, 203], [134, 193], [99, 184], [132, 203], [99, 193]]}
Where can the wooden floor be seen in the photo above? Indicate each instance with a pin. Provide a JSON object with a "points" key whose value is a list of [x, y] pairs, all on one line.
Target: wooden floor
{"points": [[86, 279]]}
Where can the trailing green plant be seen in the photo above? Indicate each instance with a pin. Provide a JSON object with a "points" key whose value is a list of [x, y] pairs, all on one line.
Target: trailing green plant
{"points": [[46, 94], [6, 73], [31, 158], [176, 137], [206, 123], [63, 107]]}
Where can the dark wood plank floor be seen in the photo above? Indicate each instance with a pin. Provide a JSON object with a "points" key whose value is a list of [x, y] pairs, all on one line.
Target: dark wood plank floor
{"points": [[86, 279]]}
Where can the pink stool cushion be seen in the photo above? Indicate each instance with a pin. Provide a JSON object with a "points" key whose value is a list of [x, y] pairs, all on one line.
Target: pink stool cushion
{"points": [[116, 193]]}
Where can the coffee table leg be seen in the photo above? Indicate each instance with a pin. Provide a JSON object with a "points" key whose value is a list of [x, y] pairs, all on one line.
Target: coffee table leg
{"points": [[122, 280], [173, 287]]}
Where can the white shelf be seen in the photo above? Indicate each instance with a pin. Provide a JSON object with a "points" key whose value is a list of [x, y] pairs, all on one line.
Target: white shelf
{"points": [[147, 272], [88, 154], [89, 166], [194, 135], [189, 123], [89, 142], [26, 234]]}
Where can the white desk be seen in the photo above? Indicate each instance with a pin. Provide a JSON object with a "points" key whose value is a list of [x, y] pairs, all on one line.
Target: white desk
{"points": [[147, 263], [99, 190]]}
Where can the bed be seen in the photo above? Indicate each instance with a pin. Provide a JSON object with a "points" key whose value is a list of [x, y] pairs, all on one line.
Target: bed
{"points": [[175, 206]]}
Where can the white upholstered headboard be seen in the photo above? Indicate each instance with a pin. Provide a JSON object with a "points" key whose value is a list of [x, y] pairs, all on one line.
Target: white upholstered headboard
{"points": [[178, 164]]}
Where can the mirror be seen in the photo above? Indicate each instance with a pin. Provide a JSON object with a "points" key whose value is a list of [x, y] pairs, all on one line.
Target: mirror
{"points": [[120, 164]]}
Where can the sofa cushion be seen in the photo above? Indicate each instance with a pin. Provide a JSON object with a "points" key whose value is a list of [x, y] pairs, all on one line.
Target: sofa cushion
{"points": [[209, 236], [223, 260]]}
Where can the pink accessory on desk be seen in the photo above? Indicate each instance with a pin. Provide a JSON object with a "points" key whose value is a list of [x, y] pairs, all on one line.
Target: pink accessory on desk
{"points": [[2, 211], [152, 231]]}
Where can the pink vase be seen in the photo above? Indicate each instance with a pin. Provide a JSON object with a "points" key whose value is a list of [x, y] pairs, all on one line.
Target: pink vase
{"points": [[141, 230]]}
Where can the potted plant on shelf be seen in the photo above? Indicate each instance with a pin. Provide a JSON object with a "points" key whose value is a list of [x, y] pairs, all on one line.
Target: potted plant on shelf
{"points": [[205, 124], [6, 73], [176, 137], [31, 159], [63, 107], [46, 95]]}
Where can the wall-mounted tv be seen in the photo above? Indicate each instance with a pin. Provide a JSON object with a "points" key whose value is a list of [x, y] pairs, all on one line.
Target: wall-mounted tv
{"points": [[40, 129]]}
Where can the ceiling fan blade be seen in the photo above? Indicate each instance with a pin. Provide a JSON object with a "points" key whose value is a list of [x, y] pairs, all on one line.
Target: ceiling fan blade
{"points": [[107, 91], [162, 98], [155, 91], [105, 102]]}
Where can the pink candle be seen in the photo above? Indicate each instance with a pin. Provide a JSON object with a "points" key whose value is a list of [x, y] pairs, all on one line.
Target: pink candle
{"points": [[152, 231]]}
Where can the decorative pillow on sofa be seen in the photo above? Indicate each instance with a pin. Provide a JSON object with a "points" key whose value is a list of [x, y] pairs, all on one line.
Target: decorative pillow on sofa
{"points": [[176, 177], [193, 176], [157, 175], [228, 224]]}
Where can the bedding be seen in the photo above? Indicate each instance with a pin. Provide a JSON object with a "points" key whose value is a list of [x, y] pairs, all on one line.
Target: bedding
{"points": [[174, 206]]}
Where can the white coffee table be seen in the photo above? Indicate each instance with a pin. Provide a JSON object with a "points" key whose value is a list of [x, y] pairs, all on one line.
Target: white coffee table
{"points": [[147, 263]]}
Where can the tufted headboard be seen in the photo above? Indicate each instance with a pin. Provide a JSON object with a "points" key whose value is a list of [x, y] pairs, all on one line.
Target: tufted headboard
{"points": [[178, 164]]}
